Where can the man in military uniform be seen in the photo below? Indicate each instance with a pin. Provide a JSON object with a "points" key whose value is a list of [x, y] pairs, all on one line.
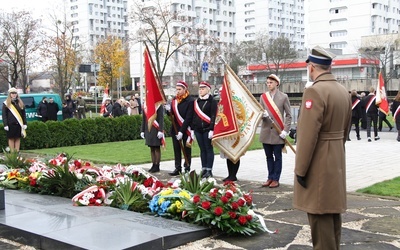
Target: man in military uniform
{"points": [[320, 165]]}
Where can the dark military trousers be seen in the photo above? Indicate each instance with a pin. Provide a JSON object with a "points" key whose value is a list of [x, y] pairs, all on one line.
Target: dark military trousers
{"points": [[325, 231]]}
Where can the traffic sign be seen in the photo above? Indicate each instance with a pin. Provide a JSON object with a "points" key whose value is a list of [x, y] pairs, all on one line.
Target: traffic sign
{"points": [[204, 66]]}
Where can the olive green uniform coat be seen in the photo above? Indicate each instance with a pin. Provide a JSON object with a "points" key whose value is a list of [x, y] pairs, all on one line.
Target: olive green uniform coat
{"points": [[322, 131]]}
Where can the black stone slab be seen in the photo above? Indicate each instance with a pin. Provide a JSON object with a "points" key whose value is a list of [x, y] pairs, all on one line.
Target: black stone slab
{"points": [[48, 222]]}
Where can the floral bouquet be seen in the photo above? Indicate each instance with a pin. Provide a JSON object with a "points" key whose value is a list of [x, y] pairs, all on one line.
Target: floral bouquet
{"points": [[169, 202], [92, 196], [226, 208]]}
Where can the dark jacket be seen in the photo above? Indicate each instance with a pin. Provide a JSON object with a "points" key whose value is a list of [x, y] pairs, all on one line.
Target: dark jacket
{"points": [[151, 136], [209, 107], [185, 109], [9, 118], [42, 109], [52, 109], [373, 109], [357, 111], [117, 110]]}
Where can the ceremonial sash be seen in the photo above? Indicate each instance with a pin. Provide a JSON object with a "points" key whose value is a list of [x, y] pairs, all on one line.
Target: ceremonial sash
{"points": [[180, 120], [357, 101], [200, 113], [369, 103], [15, 112], [396, 113], [276, 114], [156, 125]]}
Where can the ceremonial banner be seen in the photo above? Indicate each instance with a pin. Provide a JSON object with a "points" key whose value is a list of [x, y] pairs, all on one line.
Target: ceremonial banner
{"points": [[103, 103], [154, 93], [381, 98], [233, 134]]}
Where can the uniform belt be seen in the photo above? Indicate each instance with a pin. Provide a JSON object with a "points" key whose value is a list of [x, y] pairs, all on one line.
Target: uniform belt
{"points": [[330, 136]]}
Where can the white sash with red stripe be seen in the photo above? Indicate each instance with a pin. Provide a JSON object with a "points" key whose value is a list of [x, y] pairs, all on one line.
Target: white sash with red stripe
{"points": [[200, 113], [396, 113], [188, 132], [357, 101], [369, 103], [276, 114]]}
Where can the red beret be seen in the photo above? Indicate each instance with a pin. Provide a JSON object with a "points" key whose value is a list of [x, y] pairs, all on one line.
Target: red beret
{"points": [[182, 84], [205, 84]]}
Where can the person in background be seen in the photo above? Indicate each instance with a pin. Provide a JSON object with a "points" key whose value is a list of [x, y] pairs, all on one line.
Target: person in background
{"points": [[108, 108], [117, 108], [134, 106], [320, 162], [154, 138], [52, 109], [276, 109], [71, 107], [65, 111], [14, 119], [42, 110], [396, 113], [181, 109], [382, 118], [205, 111], [363, 112], [356, 114], [81, 107], [137, 97], [372, 114]]}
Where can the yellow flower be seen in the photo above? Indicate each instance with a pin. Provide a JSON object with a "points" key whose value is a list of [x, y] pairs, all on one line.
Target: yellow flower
{"points": [[161, 200], [179, 206], [166, 192], [13, 174], [184, 194]]}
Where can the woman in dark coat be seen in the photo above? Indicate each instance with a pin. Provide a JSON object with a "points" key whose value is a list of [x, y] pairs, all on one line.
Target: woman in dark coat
{"points": [[14, 119], [154, 138]]}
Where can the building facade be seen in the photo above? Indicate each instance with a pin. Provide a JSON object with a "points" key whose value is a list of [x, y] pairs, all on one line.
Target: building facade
{"points": [[275, 18], [340, 24]]}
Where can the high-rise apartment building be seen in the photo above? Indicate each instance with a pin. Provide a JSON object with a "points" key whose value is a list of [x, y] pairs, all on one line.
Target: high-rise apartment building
{"points": [[96, 19], [203, 26], [340, 24], [275, 18]]}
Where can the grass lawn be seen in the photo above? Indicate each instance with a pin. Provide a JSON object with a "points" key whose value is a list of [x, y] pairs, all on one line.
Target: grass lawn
{"points": [[385, 188], [124, 152]]}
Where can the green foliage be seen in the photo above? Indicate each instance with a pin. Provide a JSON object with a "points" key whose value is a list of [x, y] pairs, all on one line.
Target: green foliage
{"points": [[385, 188], [126, 197], [192, 183], [13, 160], [38, 136], [89, 130]]}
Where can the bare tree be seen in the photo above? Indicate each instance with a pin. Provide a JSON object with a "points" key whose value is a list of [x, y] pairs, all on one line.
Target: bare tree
{"points": [[382, 49], [155, 26], [63, 51], [20, 39]]}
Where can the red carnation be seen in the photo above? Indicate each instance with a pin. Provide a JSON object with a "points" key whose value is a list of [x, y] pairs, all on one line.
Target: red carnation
{"points": [[248, 198], [228, 195], [87, 164], [224, 199], [206, 205], [218, 211], [241, 202], [148, 182], [77, 163], [249, 217], [232, 214], [196, 199], [242, 220], [234, 206], [213, 195]]}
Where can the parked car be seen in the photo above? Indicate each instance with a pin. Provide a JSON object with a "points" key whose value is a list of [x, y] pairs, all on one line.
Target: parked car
{"points": [[31, 102], [96, 89]]}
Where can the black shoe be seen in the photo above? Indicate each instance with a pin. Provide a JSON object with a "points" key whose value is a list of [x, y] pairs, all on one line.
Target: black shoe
{"points": [[348, 139], [229, 178], [390, 129], [187, 170], [203, 172], [207, 174], [176, 172], [377, 138], [369, 139], [155, 168], [358, 138]]}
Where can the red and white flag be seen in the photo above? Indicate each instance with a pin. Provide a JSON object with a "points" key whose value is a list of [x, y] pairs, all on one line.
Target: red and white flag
{"points": [[154, 93], [103, 102], [238, 115], [381, 98]]}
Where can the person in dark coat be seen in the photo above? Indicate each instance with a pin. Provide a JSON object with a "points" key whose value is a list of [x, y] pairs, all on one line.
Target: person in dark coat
{"points": [[52, 109], [117, 108], [181, 109], [356, 114], [14, 119], [42, 110], [396, 113], [372, 114], [363, 112], [205, 111], [65, 111], [320, 164], [154, 138], [108, 108], [382, 118], [71, 106]]}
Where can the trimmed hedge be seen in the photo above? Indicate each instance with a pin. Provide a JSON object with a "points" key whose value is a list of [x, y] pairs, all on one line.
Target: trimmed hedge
{"points": [[73, 132]]}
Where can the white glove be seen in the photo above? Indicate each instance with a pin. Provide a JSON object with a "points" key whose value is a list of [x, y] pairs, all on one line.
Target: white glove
{"points": [[283, 134], [179, 136], [25, 127], [265, 114], [167, 107], [160, 135], [6, 128], [210, 134], [142, 135]]}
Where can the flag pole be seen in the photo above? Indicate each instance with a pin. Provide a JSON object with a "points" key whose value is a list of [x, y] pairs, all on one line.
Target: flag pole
{"points": [[170, 113]]}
